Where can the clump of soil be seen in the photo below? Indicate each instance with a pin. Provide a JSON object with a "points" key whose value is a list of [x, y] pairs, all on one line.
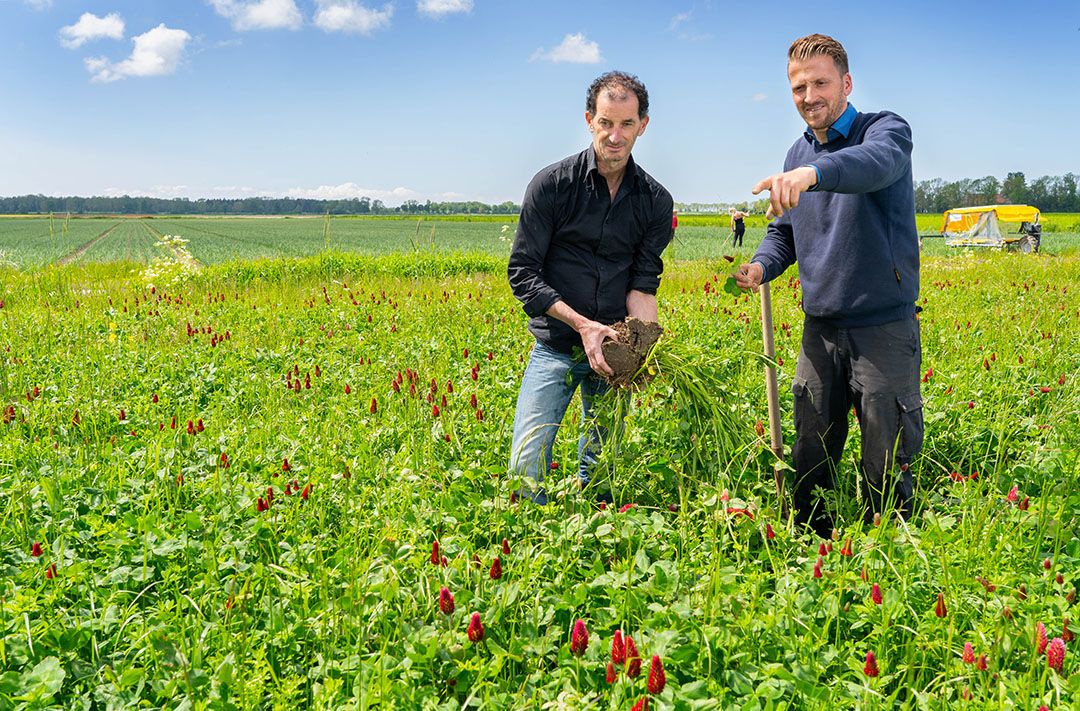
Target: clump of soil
{"points": [[626, 354]]}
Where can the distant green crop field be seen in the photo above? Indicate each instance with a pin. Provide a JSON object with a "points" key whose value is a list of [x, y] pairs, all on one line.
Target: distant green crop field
{"points": [[213, 240], [713, 243], [34, 242], [129, 241], [1061, 222], [928, 223], [925, 222]]}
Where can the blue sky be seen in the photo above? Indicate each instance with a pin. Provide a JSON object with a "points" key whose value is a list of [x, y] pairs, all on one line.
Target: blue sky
{"points": [[467, 99]]}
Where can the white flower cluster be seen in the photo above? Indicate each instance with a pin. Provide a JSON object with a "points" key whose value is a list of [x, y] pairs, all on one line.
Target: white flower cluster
{"points": [[171, 242], [175, 263]]}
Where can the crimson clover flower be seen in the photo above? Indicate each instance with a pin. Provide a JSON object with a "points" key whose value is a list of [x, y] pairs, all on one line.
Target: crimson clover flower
{"points": [[657, 679], [871, 668], [618, 648], [579, 638], [476, 628], [633, 659], [1055, 654], [446, 601]]}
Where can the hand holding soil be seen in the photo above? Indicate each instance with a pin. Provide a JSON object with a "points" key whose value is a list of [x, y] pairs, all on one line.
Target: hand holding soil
{"points": [[592, 339], [627, 353]]}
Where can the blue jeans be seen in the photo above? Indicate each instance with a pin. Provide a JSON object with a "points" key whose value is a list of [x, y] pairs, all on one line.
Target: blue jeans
{"points": [[546, 388]]}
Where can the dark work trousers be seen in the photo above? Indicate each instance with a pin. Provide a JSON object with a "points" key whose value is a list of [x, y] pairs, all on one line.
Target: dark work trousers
{"points": [[876, 369], [736, 237]]}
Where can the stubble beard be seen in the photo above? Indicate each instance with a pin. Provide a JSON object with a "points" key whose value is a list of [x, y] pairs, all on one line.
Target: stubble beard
{"points": [[831, 114]]}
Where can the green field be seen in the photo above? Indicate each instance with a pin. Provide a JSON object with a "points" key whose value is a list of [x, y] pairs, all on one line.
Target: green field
{"points": [[28, 242], [33, 242], [223, 485]]}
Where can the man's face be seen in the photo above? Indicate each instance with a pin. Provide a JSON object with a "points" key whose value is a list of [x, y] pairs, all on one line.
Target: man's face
{"points": [[819, 92], [615, 127]]}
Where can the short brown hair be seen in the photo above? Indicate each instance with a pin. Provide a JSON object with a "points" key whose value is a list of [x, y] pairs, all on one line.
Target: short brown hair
{"points": [[815, 46], [617, 85]]}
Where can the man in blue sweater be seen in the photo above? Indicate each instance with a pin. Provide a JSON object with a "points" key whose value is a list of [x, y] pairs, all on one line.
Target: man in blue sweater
{"points": [[845, 209]]}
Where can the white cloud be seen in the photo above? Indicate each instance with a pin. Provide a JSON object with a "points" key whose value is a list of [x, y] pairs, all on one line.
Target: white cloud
{"points": [[346, 191], [235, 191], [683, 25], [165, 192], [91, 27], [157, 52], [39, 4], [678, 20], [441, 8], [260, 14], [759, 97], [351, 16], [574, 48]]}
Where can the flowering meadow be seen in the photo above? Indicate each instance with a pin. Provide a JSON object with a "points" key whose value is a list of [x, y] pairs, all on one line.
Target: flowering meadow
{"points": [[283, 484]]}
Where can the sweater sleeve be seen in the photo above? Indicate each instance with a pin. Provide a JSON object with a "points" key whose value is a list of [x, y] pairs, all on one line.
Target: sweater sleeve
{"points": [[536, 225], [777, 249], [882, 157]]}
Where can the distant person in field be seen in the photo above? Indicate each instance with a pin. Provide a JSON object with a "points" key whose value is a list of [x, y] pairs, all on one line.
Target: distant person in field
{"points": [[738, 227], [845, 208], [674, 221], [586, 255]]}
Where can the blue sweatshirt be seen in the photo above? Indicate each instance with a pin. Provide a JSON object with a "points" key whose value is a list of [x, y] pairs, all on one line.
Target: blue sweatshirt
{"points": [[854, 234]]}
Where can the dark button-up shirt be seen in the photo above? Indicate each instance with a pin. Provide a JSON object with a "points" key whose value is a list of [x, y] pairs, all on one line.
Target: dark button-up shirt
{"points": [[575, 244]]}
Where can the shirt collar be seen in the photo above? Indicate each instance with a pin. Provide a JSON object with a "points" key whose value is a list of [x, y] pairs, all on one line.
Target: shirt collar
{"points": [[590, 165], [840, 129]]}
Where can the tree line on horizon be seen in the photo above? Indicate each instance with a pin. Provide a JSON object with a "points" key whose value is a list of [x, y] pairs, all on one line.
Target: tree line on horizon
{"points": [[1049, 193], [128, 205]]}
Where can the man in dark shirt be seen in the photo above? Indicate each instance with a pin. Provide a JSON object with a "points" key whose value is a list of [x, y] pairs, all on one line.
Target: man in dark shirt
{"points": [[586, 254]]}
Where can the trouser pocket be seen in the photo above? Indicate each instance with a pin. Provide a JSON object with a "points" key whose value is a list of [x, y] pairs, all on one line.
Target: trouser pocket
{"points": [[802, 401], [911, 427]]}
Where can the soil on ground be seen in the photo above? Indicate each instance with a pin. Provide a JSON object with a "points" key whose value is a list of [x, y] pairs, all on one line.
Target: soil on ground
{"points": [[626, 354]]}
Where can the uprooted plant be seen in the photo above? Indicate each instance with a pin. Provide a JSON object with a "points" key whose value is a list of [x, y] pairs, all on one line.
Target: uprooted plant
{"points": [[690, 379]]}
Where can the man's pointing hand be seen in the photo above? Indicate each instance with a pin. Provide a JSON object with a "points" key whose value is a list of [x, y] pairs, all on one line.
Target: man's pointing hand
{"points": [[785, 188]]}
